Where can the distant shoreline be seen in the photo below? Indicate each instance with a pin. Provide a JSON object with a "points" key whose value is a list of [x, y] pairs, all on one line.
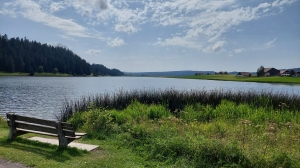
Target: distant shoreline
{"points": [[35, 74], [270, 79]]}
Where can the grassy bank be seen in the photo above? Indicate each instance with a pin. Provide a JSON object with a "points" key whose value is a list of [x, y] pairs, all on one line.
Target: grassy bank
{"points": [[270, 79], [200, 135], [174, 129], [40, 155], [35, 74]]}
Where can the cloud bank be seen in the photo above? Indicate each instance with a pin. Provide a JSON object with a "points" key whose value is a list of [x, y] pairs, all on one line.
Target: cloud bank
{"points": [[198, 24]]}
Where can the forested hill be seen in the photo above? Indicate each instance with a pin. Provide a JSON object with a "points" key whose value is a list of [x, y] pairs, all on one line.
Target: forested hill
{"points": [[22, 55], [98, 69]]}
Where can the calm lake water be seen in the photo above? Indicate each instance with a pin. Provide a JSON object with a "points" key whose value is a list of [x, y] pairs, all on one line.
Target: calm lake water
{"points": [[43, 97]]}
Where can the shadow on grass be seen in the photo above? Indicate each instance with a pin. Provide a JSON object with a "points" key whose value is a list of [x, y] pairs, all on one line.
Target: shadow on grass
{"points": [[48, 151]]}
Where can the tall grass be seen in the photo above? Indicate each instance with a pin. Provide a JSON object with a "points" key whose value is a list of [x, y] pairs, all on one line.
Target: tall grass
{"points": [[227, 135], [176, 100]]}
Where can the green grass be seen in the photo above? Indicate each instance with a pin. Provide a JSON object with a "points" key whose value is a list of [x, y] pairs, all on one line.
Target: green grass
{"points": [[200, 135], [35, 154], [150, 135], [35, 74], [270, 79], [13, 74]]}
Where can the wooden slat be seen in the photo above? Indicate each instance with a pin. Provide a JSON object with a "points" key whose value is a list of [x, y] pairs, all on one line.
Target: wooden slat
{"points": [[36, 132], [39, 128], [69, 133], [65, 124], [68, 128], [33, 120], [45, 129], [80, 134], [76, 137]]}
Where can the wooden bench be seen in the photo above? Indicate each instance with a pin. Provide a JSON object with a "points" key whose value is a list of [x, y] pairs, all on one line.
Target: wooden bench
{"points": [[20, 125]]}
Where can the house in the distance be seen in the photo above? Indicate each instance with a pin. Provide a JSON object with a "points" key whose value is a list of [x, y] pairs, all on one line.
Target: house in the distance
{"points": [[271, 72], [243, 74], [285, 72]]}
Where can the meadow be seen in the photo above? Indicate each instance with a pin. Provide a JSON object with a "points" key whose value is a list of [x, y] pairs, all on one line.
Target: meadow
{"points": [[269, 79], [170, 128]]}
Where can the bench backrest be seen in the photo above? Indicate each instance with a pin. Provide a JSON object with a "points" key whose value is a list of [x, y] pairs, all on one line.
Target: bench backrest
{"points": [[40, 125]]}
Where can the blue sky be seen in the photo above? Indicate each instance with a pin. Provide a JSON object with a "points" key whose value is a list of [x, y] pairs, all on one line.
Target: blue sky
{"points": [[161, 35]]}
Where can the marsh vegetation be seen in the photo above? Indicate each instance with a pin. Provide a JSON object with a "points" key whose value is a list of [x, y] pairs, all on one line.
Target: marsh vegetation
{"points": [[196, 128]]}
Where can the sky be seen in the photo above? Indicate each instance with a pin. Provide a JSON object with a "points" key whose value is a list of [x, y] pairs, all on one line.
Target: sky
{"points": [[162, 35]]}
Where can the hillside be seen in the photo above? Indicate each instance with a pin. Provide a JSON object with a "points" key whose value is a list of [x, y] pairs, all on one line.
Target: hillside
{"points": [[98, 69], [22, 55]]}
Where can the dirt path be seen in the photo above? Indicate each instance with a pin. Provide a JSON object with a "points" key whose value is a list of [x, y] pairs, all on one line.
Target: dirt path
{"points": [[8, 164]]}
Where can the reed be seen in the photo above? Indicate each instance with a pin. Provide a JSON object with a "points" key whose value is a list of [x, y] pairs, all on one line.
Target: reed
{"points": [[176, 100], [228, 135]]}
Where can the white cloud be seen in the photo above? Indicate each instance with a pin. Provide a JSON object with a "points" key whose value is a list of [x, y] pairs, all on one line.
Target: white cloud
{"points": [[179, 41], [93, 52], [217, 47], [33, 11], [56, 6], [116, 42], [205, 22], [196, 24], [270, 43], [239, 50], [59, 45], [128, 28]]}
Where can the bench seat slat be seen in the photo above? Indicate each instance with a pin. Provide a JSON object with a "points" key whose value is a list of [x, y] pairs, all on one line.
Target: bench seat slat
{"points": [[36, 132], [76, 137], [41, 128], [38, 128], [80, 134], [33, 120]]}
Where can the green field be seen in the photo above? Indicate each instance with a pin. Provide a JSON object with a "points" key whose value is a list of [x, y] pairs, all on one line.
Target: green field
{"points": [[271, 79]]}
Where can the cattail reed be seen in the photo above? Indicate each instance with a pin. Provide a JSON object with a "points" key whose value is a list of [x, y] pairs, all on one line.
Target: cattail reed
{"points": [[175, 99]]}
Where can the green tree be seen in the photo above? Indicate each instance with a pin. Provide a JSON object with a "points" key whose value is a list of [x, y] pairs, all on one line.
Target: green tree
{"points": [[10, 64], [96, 72], [260, 71], [31, 72], [55, 70], [40, 69]]}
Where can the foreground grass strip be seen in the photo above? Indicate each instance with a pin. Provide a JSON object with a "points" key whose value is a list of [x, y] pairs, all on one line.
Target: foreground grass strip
{"points": [[200, 135], [36, 154]]}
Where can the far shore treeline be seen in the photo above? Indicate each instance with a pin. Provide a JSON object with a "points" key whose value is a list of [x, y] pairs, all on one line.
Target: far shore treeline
{"points": [[22, 55]]}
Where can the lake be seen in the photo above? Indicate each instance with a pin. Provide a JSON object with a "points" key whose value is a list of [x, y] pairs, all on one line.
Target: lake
{"points": [[43, 97]]}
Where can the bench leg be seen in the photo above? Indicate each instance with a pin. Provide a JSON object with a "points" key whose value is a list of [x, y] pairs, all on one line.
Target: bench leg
{"points": [[63, 141], [12, 131]]}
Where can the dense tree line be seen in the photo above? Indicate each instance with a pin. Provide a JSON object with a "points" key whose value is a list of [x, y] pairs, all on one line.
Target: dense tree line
{"points": [[22, 55], [98, 69]]}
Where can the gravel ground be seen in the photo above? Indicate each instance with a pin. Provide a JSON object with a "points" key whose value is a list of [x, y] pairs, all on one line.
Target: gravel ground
{"points": [[8, 164]]}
